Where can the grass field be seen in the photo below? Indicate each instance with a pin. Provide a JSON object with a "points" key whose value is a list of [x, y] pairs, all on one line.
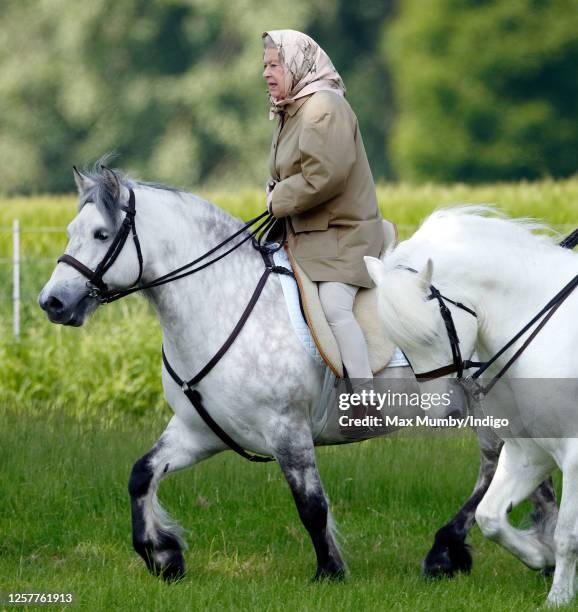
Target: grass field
{"points": [[76, 413], [65, 524]]}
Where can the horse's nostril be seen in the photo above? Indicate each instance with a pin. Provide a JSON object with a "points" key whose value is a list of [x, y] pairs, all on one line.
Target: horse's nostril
{"points": [[54, 305]]}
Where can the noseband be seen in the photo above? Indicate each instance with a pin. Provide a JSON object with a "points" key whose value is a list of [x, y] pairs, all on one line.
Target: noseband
{"points": [[96, 285]]}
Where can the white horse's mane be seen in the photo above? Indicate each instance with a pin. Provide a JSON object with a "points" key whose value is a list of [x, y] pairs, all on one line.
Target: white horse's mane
{"points": [[411, 321], [471, 224]]}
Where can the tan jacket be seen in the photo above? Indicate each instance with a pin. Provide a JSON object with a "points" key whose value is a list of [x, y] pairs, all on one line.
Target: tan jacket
{"points": [[326, 189]]}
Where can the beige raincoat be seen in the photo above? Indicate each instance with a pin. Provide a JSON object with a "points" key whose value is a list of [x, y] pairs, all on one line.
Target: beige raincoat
{"points": [[324, 184]]}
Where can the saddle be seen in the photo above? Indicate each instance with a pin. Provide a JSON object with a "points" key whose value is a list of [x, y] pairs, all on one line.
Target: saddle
{"points": [[380, 348]]}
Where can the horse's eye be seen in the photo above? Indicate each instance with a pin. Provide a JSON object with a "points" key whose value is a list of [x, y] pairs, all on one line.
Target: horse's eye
{"points": [[100, 235]]}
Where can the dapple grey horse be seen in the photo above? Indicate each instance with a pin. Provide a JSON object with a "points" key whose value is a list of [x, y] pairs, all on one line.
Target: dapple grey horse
{"points": [[262, 393]]}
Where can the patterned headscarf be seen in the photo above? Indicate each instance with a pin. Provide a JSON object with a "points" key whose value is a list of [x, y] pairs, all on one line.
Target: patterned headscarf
{"points": [[307, 67]]}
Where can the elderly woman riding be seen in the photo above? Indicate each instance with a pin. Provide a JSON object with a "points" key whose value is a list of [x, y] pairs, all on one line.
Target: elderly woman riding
{"points": [[322, 183]]}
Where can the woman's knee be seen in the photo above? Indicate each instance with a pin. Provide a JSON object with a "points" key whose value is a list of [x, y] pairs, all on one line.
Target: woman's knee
{"points": [[337, 301]]}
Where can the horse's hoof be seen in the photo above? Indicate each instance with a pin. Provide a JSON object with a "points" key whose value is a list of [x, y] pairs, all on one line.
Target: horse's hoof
{"points": [[449, 555], [559, 597], [438, 565], [174, 569], [333, 575]]}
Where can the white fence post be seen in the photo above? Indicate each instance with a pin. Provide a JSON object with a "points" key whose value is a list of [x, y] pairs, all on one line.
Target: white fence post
{"points": [[16, 277]]}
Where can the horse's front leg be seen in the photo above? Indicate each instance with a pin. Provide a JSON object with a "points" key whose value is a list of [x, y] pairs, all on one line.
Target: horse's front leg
{"points": [[295, 453], [156, 537], [450, 553]]}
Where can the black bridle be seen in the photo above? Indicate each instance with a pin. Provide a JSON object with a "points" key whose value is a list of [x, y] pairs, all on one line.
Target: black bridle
{"points": [[96, 285], [458, 364], [543, 317], [98, 289]]}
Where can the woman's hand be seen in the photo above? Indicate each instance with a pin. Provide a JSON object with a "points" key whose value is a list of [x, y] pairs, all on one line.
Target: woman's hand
{"points": [[269, 191]]}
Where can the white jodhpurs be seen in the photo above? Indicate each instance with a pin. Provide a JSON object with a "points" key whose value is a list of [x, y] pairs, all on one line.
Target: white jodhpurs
{"points": [[337, 302]]}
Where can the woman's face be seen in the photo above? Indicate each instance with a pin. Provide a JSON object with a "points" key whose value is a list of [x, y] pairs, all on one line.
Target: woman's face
{"points": [[274, 74]]}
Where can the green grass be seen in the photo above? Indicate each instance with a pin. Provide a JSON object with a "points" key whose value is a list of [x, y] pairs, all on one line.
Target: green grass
{"points": [[65, 524], [79, 406]]}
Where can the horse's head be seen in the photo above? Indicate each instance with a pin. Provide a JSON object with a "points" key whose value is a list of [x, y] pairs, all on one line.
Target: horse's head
{"points": [[413, 321], [67, 297]]}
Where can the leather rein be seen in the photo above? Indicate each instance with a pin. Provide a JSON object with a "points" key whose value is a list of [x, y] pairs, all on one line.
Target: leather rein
{"points": [[459, 365], [99, 290]]}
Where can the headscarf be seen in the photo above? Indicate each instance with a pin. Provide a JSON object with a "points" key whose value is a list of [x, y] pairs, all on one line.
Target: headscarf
{"points": [[307, 68]]}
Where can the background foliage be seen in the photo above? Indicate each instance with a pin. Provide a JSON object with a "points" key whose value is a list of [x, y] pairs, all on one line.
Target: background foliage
{"points": [[486, 89], [174, 86], [474, 90]]}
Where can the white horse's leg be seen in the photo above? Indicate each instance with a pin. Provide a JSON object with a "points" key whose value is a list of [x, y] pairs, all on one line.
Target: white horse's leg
{"points": [[566, 537], [450, 553], [156, 537], [294, 450], [517, 476]]}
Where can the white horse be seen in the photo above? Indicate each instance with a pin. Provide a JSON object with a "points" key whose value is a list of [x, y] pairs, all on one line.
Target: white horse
{"points": [[505, 274], [263, 391]]}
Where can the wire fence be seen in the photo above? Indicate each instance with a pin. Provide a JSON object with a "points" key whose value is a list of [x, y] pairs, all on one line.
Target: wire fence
{"points": [[20, 273], [18, 266]]}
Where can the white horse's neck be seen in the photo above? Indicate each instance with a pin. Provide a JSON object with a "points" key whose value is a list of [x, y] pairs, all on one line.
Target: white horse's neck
{"points": [[175, 228]]}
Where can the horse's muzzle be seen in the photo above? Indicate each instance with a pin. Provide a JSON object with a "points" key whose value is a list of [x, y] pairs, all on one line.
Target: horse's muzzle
{"points": [[66, 309]]}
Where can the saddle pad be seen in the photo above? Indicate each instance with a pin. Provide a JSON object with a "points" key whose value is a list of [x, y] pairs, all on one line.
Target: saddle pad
{"points": [[291, 294], [380, 348]]}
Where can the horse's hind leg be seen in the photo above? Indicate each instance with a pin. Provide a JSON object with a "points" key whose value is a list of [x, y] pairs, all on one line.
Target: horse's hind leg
{"points": [[156, 538], [450, 553], [296, 456]]}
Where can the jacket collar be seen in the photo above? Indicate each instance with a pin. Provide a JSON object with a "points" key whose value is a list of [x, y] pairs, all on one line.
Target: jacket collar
{"points": [[292, 108]]}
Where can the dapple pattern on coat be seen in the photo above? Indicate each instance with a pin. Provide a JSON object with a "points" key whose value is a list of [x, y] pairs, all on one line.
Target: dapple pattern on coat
{"points": [[262, 392]]}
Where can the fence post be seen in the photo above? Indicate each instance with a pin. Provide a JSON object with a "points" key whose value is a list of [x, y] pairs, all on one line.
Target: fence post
{"points": [[16, 277]]}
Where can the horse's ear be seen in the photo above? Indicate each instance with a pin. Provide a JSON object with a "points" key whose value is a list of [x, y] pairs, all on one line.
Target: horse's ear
{"points": [[375, 268], [426, 275], [111, 181], [82, 181]]}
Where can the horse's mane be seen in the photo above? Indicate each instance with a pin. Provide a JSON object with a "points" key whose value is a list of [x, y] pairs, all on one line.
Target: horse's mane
{"points": [[494, 225], [410, 320], [103, 196]]}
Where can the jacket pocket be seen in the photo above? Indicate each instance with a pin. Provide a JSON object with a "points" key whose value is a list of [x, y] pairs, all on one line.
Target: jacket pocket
{"points": [[317, 245], [314, 220]]}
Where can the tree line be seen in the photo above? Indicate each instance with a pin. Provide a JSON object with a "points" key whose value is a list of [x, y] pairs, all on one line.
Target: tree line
{"points": [[445, 90]]}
